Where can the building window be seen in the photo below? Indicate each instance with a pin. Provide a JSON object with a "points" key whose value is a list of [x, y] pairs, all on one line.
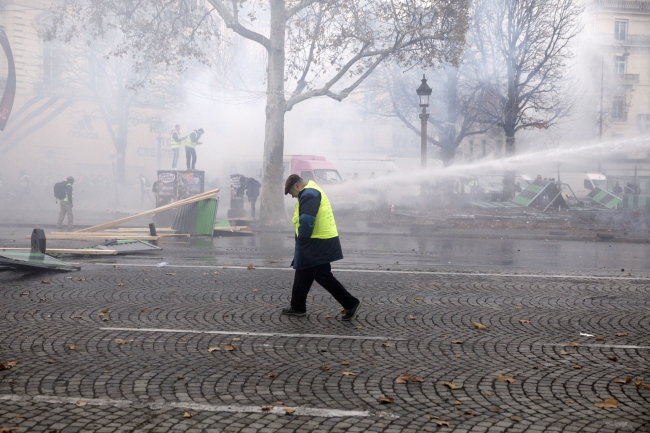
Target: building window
{"points": [[620, 64], [471, 148], [620, 30], [619, 108], [484, 147]]}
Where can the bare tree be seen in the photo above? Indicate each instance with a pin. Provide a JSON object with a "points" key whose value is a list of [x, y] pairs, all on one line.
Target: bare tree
{"points": [[121, 95], [523, 52], [317, 47]]}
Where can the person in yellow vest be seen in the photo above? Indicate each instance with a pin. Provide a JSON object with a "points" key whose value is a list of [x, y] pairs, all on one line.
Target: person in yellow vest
{"points": [[190, 144], [175, 142], [317, 245]]}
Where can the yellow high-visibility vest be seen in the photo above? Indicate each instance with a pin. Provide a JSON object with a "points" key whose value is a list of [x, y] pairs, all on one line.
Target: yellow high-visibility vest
{"points": [[324, 226], [173, 143], [189, 142]]}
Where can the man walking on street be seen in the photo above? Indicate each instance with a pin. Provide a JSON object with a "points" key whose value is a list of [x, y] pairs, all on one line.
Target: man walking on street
{"points": [[66, 204], [175, 142], [252, 192], [317, 245], [190, 143]]}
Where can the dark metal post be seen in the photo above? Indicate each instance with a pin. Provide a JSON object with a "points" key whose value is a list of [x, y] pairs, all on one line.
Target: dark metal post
{"points": [[423, 138]]}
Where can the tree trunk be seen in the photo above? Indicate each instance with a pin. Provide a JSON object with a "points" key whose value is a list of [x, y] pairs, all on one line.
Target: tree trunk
{"points": [[120, 150], [272, 202]]}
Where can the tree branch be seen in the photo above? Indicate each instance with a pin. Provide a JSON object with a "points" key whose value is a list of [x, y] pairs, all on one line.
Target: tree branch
{"points": [[232, 22]]}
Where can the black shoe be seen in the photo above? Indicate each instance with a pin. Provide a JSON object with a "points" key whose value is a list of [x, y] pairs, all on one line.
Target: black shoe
{"points": [[351, 314], [291, 312]]}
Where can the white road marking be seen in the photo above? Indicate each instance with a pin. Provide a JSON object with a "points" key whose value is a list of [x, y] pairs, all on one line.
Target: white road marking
{"points": [[277, 410], [383, 271], [255, 334], [603, 346]]}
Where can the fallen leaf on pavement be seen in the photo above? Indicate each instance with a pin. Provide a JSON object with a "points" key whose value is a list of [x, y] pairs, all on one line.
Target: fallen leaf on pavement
{"points": [[524, 321], [180, 377], [457, 356], [348, 373], [442, 423], [453, 386], [506, 379], [433, 417], [641, 383], [73, 347], [386, 400], [289, 411], [600, 339], [8, 365], [573, 344], [121, 341], [236, 339], [214, 349], [345, 363], [325, 368], [45, 282], [267, 408], [403, 378], [570, 402], [229, 347], [250, 267], [170, 273], [418, 299], [621, 334], [515, 418], [470, 413], [215, 273], [564, 352], [143, 310], [52, 361], [518, 306], [120, 284], [416, 379], [386, 344], [577, 367], [626, 380], [457, 403], [495, 410], [272, 374], [20, 416], [187, 415], [487, 394], [479, 326], [82, 403], [610, 403], [75, 316], [411, 317], [328, 317], [457, 341], [279, 403], [613, 358]]}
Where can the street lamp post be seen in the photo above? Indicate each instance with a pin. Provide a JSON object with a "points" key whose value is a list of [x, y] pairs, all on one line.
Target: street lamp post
{"points": [[424, 91]]}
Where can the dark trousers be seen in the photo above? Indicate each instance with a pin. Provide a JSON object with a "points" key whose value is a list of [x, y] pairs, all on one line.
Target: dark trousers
{"points": [[322, 274], [190, 155], [253, 200]]}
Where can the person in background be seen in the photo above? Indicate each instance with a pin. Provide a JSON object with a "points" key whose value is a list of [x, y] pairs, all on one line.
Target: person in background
{"points": [[66, 205], [190, 151], [175, 142], [317, 244], [143, 187], [252, 192]]}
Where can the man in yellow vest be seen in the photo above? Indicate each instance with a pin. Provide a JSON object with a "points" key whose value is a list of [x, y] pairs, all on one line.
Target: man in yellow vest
{"points": [[190, 144], [317, 245], [175, 142]]}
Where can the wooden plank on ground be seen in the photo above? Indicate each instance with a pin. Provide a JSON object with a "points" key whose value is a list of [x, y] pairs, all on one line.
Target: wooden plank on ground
{"points": [[96, 237], [80, 251], [174, 205]]}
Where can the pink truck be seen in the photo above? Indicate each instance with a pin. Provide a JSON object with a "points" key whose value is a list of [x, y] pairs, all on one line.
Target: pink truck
{"points": [[325, 174]]}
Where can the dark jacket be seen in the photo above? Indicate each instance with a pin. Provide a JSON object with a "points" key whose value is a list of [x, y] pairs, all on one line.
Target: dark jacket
{"points": [[308, 251], [252, 187]]}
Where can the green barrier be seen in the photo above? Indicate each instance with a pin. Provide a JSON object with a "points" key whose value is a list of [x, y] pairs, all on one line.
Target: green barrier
{"points": [[602, 197]]}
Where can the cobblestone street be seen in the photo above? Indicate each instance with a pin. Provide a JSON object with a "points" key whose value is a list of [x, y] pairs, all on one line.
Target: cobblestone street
{"points": [[139, 348]]}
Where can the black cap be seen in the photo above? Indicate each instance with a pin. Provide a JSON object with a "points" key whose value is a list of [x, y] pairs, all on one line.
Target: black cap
{"points": [[290, 182]]}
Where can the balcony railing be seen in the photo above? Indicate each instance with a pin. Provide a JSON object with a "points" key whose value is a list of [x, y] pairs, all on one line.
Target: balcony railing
{"points": [[628, 78], [636, 40], [624, 5]]}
